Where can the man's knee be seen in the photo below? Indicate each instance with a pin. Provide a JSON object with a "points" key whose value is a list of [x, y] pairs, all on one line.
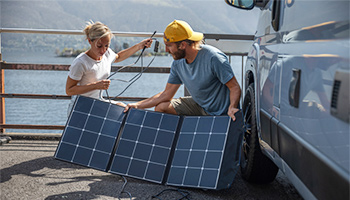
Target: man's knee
{"points": [[162, 107], [165, 107]]}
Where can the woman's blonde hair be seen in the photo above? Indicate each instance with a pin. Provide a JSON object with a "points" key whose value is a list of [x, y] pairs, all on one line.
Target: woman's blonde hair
{"points": [[96, 30]]}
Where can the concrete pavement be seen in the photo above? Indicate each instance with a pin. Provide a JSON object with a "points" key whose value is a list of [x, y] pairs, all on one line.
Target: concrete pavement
{"points": [[29, 171]]}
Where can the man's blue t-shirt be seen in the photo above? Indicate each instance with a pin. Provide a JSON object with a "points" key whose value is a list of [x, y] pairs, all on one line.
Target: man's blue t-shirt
{"points": [[205, 79]]}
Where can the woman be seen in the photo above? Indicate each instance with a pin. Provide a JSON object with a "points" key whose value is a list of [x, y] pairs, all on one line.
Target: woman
{"points": [[89, 70]]}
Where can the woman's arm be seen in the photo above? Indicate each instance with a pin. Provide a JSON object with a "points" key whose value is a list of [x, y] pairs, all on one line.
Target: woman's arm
{"points": [[72, 87], [126, 53]]}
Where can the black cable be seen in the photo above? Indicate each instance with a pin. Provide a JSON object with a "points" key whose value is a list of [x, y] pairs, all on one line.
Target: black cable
{"points": [[123, 189], [185, 194], [138, 58], [137, 76]]}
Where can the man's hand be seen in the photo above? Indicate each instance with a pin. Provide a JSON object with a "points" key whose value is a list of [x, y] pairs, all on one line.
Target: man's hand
{"points": [[130, 105], [231, 112]]}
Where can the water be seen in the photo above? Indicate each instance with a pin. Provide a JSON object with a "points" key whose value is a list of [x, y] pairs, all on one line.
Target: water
{"points": [[54, 112]]}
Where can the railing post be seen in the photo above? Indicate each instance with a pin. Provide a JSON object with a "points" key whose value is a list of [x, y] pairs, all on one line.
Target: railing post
{"points": [[242, 80], [2, 90], [2, 100]]}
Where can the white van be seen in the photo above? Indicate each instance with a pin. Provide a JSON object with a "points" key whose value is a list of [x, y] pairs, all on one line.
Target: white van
{"points": [[296, 96]]}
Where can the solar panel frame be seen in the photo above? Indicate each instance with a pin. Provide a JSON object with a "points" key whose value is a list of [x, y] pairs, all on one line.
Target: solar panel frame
{"points": [[90, 133], [185, 151], [194, 144]]}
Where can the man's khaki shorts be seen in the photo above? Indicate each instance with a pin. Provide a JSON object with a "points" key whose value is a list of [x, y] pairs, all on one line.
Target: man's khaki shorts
{"points": [[187, 106]]}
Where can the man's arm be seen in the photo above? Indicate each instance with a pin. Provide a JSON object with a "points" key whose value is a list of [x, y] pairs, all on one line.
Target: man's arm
{"points": [[235, 94], [164, 96]]}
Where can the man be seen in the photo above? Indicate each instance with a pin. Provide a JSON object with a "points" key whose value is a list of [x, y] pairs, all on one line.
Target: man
{"points": [[203, 69]]}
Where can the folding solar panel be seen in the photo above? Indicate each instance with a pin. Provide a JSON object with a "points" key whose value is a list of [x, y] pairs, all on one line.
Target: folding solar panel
{"points": [[207, 150], [144, 146], [90, 133], [186, 151]]}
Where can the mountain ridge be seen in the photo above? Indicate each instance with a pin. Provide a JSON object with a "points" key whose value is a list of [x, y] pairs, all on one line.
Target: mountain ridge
{"points": [[206, 16], [133, 15]]}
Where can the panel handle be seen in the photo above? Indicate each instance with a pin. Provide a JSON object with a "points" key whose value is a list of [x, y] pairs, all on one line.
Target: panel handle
{"points": [[294, 88]]}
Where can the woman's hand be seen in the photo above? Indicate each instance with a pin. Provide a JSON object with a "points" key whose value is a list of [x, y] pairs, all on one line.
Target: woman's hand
{"points": [[145, 43], [103, 84]]}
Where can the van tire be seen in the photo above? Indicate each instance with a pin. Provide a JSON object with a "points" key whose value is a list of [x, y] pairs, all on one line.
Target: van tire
{"points": [[255, 166]]}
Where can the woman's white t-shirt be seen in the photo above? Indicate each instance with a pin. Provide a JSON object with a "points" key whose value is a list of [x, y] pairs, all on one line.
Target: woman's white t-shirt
{"points": [[87, 70]]}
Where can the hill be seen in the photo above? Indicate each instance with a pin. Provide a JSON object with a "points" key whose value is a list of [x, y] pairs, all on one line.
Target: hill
{"points": [[208, 16], [127, 15]]}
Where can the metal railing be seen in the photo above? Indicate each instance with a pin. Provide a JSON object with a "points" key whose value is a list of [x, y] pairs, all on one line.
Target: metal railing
{"points": [[15, 66]]}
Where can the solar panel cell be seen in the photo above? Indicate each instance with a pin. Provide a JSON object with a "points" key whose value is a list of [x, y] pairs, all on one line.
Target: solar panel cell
{"points": [[159, 155], [200, 141], [115, 113], [77, 120], [105, 144], [185, 141], [169, 122], [148, 135], [120, 165], [221, 124], [176, 176], [196, 159], [209, 178], [88, 140], [74, 135], [66, 151], [152, 119], [142, 151], [164, 138], [84, 105], [131, 132], [212, 160], [191, 177], [110, 128], [82, 156], [99, 160], [180, 158], [216, 142], [94, 124], [189, 125], [137, 168], [125, 148], [99, 109], [204, 124], [154, 172]]}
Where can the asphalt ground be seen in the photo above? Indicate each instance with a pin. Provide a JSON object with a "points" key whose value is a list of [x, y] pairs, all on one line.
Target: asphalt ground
{"points": [[29, 171]]}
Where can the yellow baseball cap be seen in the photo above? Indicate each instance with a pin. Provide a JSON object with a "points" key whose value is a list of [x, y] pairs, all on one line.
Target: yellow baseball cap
{"points": [[180, 30]]}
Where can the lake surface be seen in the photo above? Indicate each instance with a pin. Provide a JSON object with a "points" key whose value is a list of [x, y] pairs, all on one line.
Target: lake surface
{"points": [[54, 112]]}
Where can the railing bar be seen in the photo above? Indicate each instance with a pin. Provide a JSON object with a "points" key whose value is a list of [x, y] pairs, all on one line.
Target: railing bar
{"points": [[54, 67], [49, 96], [228, 37], [75, 32], [31, 126], [33, 96], [121, 34]]}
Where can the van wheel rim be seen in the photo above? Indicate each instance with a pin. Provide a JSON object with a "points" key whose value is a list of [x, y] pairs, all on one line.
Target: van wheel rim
{"points": [[247, 132]]}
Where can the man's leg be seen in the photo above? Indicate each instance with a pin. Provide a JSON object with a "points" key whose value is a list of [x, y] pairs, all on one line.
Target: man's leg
{"points": [[165, 107]]}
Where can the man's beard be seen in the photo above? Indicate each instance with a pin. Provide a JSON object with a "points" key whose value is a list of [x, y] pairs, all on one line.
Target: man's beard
{"points": [[179, 54]]}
